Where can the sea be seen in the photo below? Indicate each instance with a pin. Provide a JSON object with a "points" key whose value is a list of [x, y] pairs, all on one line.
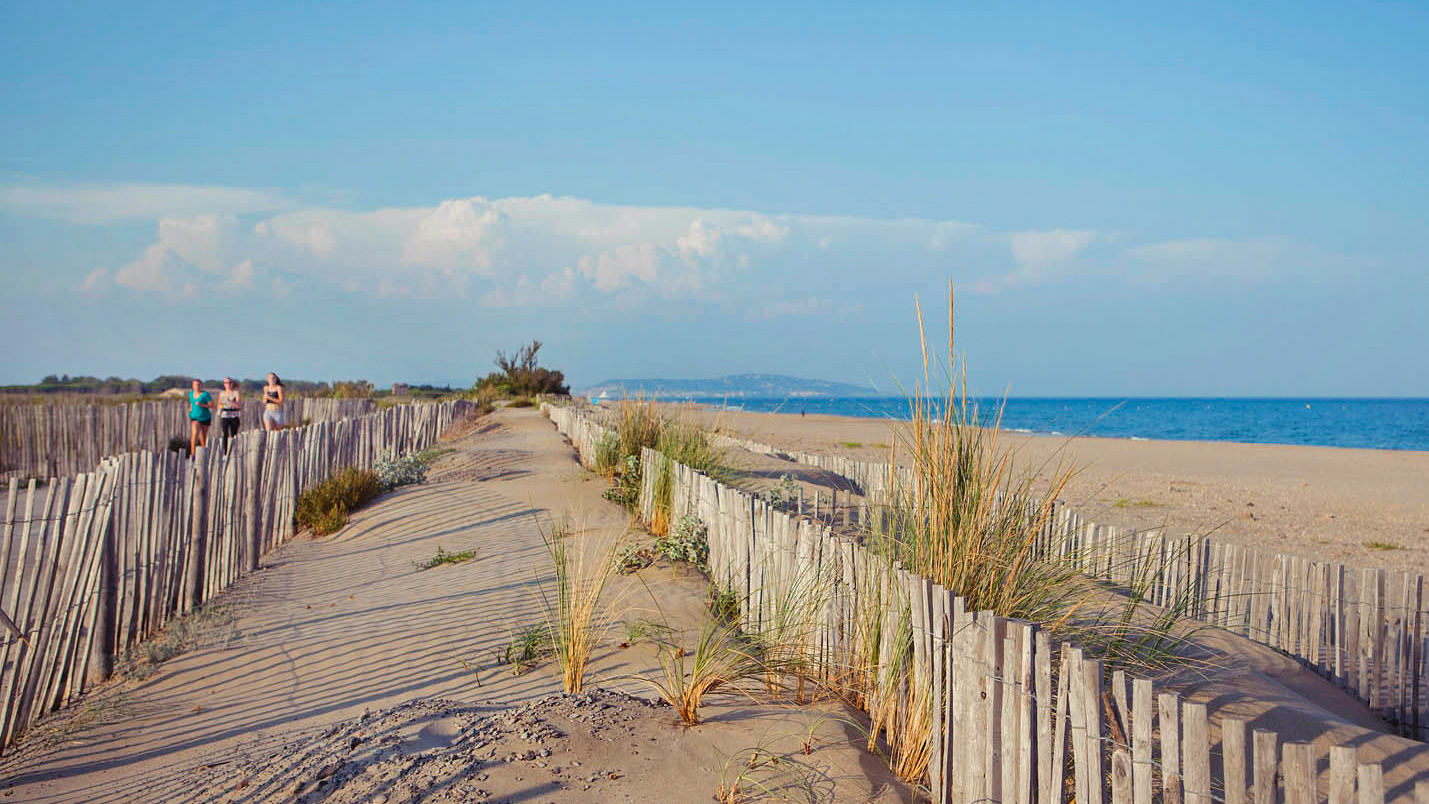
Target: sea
{"points": [[1393, 424]]}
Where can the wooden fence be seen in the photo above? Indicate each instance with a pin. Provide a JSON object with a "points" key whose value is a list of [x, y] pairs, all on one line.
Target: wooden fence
{"points": [[991, 708], [90, 566], [1362, 628], [62, 440]]}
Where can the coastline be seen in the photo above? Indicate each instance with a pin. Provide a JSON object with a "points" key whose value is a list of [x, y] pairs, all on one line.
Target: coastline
{"points": [[1359, 506]]}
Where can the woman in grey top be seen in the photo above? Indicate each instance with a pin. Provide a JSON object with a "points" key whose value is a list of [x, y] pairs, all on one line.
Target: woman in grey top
{"points": [[230, 408]]}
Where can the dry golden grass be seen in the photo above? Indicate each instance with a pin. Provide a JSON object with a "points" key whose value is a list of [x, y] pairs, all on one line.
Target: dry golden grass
{"points": [[577, 614]]}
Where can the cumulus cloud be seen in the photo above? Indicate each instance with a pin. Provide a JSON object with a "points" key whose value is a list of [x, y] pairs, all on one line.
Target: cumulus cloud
{"points": [[552, 250]]}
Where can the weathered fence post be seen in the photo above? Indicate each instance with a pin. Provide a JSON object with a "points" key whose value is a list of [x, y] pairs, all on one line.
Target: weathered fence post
{"points": [[198, 530], [253, 519]]}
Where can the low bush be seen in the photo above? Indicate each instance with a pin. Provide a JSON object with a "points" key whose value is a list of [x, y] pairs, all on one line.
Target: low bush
{"points": [[626, 490], [324, 508], [688, 541], [521, 402], [179, 443], [404, 471], [633, 558]]}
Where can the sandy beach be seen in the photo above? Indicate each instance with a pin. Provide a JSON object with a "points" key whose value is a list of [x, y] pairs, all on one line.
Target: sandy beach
{"points": [[1357, 506], [344, 672]]}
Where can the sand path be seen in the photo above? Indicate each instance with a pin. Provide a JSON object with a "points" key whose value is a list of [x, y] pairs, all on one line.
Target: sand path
{"points": [[333, 628]]}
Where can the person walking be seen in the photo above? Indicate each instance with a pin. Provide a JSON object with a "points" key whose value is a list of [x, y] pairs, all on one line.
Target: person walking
{"points": [[200, 416], [273, 403], [230, 410]]}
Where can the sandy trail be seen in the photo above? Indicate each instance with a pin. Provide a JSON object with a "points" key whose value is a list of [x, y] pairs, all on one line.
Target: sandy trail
{"points": [[335, 628]]}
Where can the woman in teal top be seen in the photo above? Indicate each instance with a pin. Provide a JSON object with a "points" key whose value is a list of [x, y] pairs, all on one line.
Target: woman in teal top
{"points": [[200, 416]]}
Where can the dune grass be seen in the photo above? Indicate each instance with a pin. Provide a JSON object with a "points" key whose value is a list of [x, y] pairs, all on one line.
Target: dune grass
{"points": [[577, 614], [969, 515], [721, 659]]}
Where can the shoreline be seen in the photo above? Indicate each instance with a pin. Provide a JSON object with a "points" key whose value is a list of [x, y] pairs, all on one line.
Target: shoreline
{"points": [[1025, 431], [1359, 506]]}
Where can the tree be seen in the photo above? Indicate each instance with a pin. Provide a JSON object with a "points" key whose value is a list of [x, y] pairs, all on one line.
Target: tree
{"points": [[522, 375]]}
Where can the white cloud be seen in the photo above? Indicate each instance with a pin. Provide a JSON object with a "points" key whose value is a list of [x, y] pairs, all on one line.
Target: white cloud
{"points": [[105, 203], [1040, 249], [1254, 260], [97, 281], [559, 251]]}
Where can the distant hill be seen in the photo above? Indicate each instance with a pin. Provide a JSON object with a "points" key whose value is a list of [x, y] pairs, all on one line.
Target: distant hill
{"points": [[735, 385]]}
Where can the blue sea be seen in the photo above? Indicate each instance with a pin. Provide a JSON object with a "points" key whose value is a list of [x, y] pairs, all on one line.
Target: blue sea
{"points": [[1401, 424]]}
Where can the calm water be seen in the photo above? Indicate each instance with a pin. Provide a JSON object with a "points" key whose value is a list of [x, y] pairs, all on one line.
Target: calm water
{"points": [[1370, 423]]}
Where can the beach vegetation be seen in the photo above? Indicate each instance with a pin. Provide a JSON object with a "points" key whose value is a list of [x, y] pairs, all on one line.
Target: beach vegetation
{"points": [[760, 773], [646, 630], [638, 425], [394, 472], [851, 444], [784, 493], [723, 603], [633, 557], [721, 659], [1379, 545], [443, 557], [626, 488], [527, 648], [688, 541], [179, 444], [521, 375], [575, 606], [607, 455], [324, 507], [1129, 503]]}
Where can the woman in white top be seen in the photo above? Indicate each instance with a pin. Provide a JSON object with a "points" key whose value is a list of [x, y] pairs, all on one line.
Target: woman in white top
{"points": [[273, 403]]}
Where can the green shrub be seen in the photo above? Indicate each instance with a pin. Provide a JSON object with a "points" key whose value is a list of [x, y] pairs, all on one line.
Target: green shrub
{"points": [[324, 508], [521, 402], [688, 542], [626, 490]]}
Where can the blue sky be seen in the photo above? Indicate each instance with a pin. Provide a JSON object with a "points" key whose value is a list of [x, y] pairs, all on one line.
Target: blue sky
{"points": [[1131, 200]]}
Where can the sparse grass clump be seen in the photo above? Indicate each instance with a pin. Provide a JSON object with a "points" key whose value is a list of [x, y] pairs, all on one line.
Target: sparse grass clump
{"points": [[721, 660], [723, 603], [576, 612], [324, 508], [1127, 503], [443, 557], [527, 648], [1378, 545], [851, 444]]}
